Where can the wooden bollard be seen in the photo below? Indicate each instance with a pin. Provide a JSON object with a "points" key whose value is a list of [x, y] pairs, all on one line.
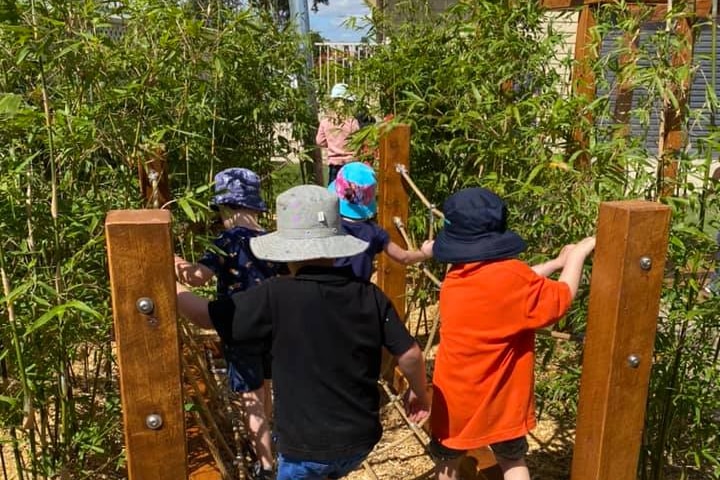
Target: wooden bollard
{"points": [[393, 202], [625, 287], [144, 308]]}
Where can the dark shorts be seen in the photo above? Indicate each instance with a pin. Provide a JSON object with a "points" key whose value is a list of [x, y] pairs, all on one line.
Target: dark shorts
{"points": [[246, 372], [332, 172], [515, 449]]}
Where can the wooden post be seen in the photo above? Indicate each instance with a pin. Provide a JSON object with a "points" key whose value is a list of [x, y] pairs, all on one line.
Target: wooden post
{"points": [[153, 177], [625, 288], [148, 347], [393, 202], [583, 78], [672, 136]]}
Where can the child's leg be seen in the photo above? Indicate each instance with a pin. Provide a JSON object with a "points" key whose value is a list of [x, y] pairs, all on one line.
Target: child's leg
{"points": [[447, 460], [513, 469], [246, 374], [267, 386], [510, 456], [448, 469], [258, 426]]}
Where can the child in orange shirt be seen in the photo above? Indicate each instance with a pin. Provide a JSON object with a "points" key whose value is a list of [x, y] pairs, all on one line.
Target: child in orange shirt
{"points": [[490, 305]]}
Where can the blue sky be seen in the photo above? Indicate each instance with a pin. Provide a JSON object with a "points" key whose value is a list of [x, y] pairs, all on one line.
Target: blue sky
{"points": [[329, 18]]}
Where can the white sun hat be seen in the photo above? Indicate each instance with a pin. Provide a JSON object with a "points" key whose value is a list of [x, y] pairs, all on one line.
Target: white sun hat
{"points": [[308, 227]]}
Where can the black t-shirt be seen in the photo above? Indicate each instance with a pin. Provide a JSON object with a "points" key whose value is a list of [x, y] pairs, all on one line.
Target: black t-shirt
{"points": [[325, 329]]}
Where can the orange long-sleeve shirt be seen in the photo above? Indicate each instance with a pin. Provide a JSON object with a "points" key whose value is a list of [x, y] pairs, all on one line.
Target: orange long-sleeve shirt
{"points": [[483, 378]]}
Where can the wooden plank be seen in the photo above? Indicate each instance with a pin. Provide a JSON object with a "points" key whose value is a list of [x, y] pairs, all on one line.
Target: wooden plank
{"points": [[561, 4], [672, 134], [393, 202], [623, 101], [622, 317], [583, 77], [153, 177], [140, 264], [702, 8]]}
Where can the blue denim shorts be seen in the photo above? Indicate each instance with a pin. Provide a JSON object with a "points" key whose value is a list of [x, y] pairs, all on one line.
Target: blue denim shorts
{"points": [[296, 469], [246, 372]]}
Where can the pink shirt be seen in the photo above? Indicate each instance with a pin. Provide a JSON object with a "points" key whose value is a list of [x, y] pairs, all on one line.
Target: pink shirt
{"points": [[333, 136]]}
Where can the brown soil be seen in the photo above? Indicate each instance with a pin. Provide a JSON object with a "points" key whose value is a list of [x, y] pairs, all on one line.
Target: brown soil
{"points": [[549, 457]]}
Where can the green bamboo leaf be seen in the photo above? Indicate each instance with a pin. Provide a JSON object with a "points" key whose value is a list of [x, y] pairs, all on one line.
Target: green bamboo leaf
{"points": [[16, 293], [533, 173], [9, 400], [10, 104], [59, 311], [185, 206]]}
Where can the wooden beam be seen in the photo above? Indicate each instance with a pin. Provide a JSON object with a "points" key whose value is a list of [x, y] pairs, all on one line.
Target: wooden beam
{"points": [[625, 289], [148, 348], [561, 4], [702, 8], [393, 202], [624, 98], [153, 176], [583, 77], [672, 135]]}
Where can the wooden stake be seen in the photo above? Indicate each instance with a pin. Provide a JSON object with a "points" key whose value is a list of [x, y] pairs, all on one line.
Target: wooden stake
{"points": [[153, 177], [145, 313], [624, 302], [583, 76], [672, 136], [393, 202]]}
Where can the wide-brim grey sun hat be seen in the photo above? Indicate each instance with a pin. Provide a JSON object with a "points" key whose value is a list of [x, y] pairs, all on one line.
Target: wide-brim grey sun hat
{"points": [[308, 227]]}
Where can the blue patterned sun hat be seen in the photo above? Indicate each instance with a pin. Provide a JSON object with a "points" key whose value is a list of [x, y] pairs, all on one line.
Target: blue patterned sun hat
{"points": [[239, 188]]}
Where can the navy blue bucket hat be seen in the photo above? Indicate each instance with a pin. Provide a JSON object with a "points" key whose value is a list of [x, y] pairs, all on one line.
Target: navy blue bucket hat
{"points": [[476, 229], [238, 188]]}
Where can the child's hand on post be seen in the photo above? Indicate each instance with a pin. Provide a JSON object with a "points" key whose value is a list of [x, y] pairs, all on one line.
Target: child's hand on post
{"points": [[563, 255], [586, 245]]}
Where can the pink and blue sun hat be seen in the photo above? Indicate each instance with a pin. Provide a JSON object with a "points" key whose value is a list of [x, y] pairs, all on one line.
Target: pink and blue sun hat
{"points": [[355, 187]]}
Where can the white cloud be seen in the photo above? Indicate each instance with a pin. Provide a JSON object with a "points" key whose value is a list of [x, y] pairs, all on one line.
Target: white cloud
{"points": [[330, 18]]}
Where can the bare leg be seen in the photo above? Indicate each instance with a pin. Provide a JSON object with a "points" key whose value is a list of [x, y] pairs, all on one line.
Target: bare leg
{"points": [[448, 469], [258, 426], [513, 469], [267, 386]]}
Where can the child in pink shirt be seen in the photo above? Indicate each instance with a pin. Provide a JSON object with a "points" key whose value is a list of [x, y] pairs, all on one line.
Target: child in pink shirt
{"points": [[335, 129]]}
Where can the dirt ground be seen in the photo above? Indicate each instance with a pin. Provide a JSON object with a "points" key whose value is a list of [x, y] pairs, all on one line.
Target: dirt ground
{"points": [[400, 455]]}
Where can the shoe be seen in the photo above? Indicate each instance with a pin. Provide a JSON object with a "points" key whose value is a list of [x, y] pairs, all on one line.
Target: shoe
{"points": [[259, 473]]}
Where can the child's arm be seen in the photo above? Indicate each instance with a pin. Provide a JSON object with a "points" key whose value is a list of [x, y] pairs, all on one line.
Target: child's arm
{"points": [[551, 266], [321, 137], [194, 274], [572, 270], [193, 307], [412, 365], [409, 257]]}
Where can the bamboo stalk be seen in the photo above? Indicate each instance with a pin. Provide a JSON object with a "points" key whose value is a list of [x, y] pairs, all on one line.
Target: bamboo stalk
{"points": [[404, 173], [419, 434]]}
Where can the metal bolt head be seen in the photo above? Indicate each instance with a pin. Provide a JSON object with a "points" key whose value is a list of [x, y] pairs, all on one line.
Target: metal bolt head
{"points": [[145, 305], [633, 361], [645, 263], [153, 421]]}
